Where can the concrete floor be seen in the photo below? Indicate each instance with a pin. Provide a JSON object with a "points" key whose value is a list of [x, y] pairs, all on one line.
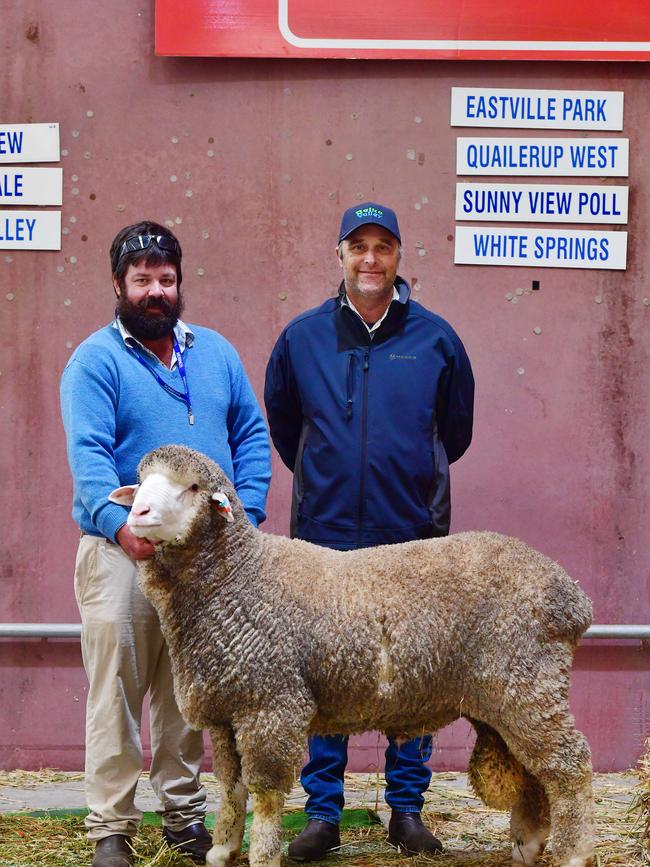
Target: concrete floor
{"points": [[362, 790]]}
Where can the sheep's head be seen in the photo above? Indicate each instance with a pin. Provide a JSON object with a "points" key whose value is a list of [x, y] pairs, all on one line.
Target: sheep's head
{"points": [[175, 484]]}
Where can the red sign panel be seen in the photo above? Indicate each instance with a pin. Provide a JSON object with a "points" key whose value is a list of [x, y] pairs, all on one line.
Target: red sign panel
{"points": [[466, 29]]}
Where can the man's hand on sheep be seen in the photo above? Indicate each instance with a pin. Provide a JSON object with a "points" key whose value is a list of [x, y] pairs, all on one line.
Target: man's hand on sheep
{"points": [[134, 547], [272, 639]]}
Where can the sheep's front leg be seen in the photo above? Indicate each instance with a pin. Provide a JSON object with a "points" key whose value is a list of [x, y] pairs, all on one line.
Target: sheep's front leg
{"points": [[271, 743], [265, 830], [229, 823]]}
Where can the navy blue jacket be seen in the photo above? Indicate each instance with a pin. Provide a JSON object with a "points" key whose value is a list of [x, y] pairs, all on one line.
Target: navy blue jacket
{"points": [[369, 426]]}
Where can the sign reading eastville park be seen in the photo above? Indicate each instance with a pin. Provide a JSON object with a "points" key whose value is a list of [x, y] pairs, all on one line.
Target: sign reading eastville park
{"points": [[540, 248], [537, 109], [30, 230]]}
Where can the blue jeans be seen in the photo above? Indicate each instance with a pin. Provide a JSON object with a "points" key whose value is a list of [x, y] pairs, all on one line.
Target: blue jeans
{"points": [[407, 776]]}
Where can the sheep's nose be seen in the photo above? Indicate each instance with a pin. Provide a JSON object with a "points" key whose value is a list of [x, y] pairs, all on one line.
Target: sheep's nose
{"points": [[141, 510]]}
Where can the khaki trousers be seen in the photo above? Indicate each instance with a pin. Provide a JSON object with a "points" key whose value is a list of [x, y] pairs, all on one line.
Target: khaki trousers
{"points": [[125, 656]]}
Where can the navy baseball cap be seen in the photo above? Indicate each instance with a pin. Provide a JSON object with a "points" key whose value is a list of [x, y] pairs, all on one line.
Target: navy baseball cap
{"points": [[369, 212]]}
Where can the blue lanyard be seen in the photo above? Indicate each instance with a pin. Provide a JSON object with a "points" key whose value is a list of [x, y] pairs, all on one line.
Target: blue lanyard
{"points": [[185, 394]]}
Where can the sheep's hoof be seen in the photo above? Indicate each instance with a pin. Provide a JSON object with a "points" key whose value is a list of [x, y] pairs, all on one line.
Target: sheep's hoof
{"points": [[221, 856], [527, 853]]}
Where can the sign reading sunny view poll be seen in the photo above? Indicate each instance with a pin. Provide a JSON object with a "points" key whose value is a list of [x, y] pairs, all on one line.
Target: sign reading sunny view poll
{"points": [[29, 143], [540, 248], [542, 203], [537, 109], [589, 157]]}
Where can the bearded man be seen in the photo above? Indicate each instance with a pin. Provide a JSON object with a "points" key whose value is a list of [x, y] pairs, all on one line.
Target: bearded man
{"points": [[145, 380]]}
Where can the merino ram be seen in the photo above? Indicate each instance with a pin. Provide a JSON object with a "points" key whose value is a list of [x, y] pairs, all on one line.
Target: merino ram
{"points": [[272, 639]]}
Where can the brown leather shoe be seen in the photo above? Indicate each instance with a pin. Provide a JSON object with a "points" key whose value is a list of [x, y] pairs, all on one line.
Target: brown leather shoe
{"points": [[113, 851], [406, 831], [314, 841], [194, 841]]}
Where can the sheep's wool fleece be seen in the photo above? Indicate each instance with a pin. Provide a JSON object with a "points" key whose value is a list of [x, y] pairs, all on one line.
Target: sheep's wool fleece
{"points": [[331, 640]]}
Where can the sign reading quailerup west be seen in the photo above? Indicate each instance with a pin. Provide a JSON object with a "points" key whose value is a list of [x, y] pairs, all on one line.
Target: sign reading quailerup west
{"points": [[450, 29], [589, 157]]}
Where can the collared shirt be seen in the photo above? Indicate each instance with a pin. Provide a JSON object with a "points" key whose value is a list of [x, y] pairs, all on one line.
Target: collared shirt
{"points": [[182, 333], [375, 326]]}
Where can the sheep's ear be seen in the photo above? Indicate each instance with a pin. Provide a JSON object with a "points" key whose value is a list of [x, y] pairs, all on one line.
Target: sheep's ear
{"points": [[222, 505], [124, 496]]}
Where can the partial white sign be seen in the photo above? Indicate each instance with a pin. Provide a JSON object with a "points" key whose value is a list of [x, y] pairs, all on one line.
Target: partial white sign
{"points": [[536, 109], [540, 248], [29, 143], [30, 230], [31, 186], [541, 203], [587, 157]]}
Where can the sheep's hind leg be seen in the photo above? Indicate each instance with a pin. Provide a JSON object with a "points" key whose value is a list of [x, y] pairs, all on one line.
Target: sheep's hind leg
{"points": [[265, 830], [530, 822], [567, 780], [502, 782], [558, 756], [229, 822]]}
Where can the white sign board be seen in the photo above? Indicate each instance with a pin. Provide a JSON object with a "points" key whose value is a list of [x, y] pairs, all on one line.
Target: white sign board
{"points": [[537, 109], [543, 203], [561, 157], [30, 230], [29, 143], [540, 248], [31, 186]]}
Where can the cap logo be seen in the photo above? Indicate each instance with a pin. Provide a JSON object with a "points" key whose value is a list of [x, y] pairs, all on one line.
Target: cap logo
{"points": [[369, 212]]}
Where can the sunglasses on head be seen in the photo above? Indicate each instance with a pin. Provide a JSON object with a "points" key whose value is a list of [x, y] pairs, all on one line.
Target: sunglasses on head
{"points": [[142, 242]]}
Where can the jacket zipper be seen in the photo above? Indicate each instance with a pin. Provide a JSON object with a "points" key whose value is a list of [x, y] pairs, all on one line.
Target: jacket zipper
{"points": [[364, 435], [349, 387]]}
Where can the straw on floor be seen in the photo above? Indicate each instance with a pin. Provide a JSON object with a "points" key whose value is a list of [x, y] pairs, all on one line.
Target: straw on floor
{"points": [[474, 836]]}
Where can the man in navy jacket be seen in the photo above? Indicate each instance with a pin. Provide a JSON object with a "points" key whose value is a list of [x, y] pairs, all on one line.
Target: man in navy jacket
{"points": [[369, 399]]}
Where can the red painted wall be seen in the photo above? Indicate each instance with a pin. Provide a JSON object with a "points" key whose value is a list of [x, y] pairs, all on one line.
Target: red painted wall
{"points": [[253, 162]]}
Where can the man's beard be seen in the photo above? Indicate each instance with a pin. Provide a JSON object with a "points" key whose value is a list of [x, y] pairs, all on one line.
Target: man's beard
{"points": [[149, 326]]}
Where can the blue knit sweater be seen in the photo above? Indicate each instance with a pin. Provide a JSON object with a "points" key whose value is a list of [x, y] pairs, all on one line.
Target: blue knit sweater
{"points": [[114, 412]]}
